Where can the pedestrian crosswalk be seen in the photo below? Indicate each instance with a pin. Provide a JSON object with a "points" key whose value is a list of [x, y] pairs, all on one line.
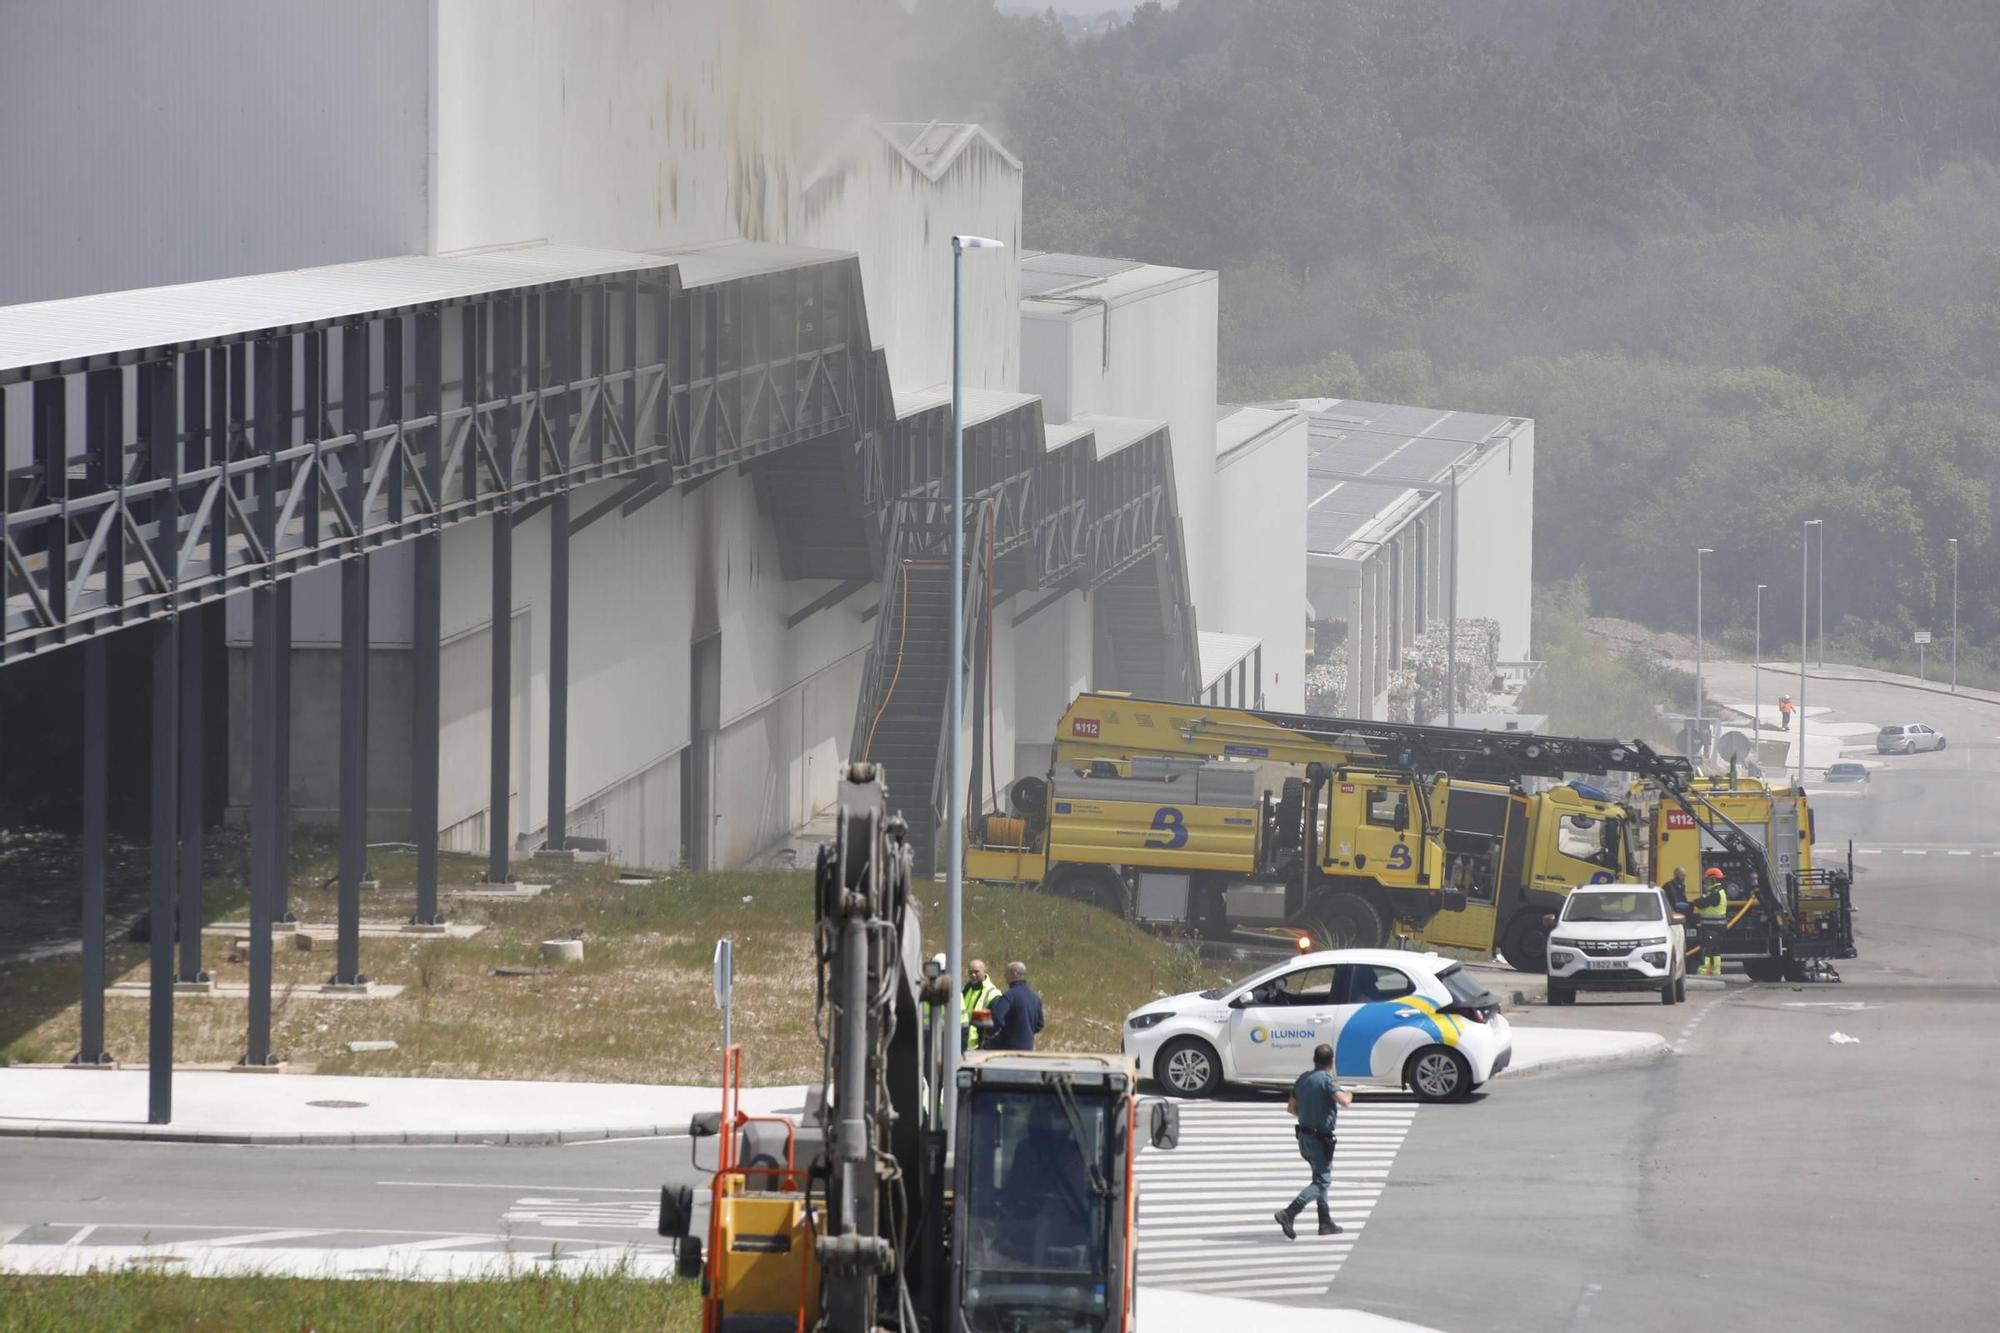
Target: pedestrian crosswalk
{"points": [[1205, 1207]]}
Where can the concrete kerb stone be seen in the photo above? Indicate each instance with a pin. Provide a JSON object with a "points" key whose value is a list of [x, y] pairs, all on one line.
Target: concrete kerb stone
{"points": [[1646, 1046], [1966, 693], [53, 1129]]}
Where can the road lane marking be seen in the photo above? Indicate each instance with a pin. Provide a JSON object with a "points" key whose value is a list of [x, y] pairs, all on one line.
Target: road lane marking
{"points": [[262, 1237], [82, 1234]]}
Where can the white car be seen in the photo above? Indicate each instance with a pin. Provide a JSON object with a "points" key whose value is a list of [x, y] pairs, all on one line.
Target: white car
{"points": [[1404, 1019], [1617, 937], [1908, 738]]}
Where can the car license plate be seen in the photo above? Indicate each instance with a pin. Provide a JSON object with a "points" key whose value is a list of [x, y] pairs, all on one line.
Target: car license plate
{"points": [[1606, 964]]}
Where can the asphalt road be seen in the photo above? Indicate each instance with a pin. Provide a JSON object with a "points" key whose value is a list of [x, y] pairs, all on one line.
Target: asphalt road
{"points": [[527, 1198], [1760, 1176]]}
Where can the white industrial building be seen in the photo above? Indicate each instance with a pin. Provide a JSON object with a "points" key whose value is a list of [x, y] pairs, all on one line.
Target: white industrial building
{"points": [[715, 667], [1409, 506]]}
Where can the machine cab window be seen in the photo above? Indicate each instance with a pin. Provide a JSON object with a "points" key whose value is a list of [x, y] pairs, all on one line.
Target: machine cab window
{"points": [[1037, 1230], [1388, 808], [1582, 838]]}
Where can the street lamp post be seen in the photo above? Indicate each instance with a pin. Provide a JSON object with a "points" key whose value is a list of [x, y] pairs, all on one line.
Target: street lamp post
{"points": [[1700, 691], [1820, 583], [1805, 587], [955, 701], [1451, 603], [1952, 542], [1757, 671]]}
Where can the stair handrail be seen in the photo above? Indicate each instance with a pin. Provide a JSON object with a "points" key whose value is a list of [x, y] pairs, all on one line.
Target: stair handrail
{"points": [[979, 517], [878, 672]]}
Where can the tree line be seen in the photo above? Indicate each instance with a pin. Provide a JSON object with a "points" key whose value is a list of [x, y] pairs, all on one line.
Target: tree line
{"points": [[1739, 258]]}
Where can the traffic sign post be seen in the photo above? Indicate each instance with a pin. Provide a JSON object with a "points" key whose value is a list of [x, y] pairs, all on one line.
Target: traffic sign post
{"points": [[1923, 639], [725, 982]]}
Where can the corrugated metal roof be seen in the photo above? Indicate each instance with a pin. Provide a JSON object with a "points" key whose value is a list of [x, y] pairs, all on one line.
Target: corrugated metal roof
{"points": [[1392, 442], [1113, 434], [1043, 272], [1220, 653], [1342, 516], [981, 405], [1046, 276], [1236, 427], [705, 265], [112, 322]]}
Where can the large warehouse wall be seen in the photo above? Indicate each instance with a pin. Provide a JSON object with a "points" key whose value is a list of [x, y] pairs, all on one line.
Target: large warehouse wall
{"points": [[1496, 527], [868, 197], [207, 139], [1156, 359], [627, 125], [1256, 533]]}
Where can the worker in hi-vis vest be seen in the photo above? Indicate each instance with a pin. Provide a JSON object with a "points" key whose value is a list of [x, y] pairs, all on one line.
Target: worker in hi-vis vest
{"points": [[977, 997], [1713, 909]]}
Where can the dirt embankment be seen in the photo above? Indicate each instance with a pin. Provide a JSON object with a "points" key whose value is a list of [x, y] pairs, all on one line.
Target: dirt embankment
{"points": [[1625, 638]]}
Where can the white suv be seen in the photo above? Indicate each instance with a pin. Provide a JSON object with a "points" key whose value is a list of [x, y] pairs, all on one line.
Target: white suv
{"points": [[1617, 937]]}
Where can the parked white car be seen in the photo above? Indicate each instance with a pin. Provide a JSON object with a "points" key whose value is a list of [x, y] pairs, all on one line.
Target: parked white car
{"points": [[1403, 1019], [1623, 937], [1908, 738]]}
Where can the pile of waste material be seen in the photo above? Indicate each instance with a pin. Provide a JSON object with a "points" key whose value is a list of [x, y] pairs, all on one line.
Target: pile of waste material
{"points": [[1418, 693], [1326, 683]]}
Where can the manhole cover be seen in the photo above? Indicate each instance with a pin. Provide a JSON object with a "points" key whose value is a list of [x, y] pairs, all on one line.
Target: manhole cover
{"points": [[338, 1105]]}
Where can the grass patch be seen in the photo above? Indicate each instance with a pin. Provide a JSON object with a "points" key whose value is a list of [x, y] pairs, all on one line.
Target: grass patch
{"points": [[637, 1009], [113, 1301]]}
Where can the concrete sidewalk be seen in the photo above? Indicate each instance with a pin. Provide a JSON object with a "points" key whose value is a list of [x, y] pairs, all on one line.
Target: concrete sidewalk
{"points": [[218, 1107], [212, 1106], [1539, 1050], [1162, 1311]]}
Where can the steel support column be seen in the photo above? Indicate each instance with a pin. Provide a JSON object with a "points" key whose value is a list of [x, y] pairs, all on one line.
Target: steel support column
{"points": [[281, 869], [264, 808], [424, 724], [166, 862], [193, 773], [558, 823], [353, 767], [501, 700], [96, 771]]}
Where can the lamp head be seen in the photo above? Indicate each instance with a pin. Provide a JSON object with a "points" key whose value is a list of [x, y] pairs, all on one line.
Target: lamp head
{"points": [[976, 243]]}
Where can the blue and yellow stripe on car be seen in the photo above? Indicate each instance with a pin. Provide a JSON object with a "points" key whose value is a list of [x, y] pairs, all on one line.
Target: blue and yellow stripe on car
{"points": [[1354, 1052]]}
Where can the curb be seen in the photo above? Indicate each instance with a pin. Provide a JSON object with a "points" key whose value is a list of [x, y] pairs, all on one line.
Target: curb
{"points": [[45, 1129], [1649, 1050], [1921, 687]]}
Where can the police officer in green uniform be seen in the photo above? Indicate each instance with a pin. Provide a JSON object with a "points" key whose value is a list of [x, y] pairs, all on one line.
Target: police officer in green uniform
{"points": [[1315, 1101]]}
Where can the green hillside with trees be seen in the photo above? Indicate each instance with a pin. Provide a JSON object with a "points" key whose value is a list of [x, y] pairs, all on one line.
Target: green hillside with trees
{"points": [[1740, 258]]}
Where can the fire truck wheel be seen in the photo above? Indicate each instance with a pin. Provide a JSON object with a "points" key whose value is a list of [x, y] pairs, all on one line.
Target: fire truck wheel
{"points": [[1188, 1067], [1347, 921], [1091, 884], [1526, 946]]}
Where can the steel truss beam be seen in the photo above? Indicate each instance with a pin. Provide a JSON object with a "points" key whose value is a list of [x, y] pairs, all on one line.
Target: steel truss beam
{"points": [[104, 530]]}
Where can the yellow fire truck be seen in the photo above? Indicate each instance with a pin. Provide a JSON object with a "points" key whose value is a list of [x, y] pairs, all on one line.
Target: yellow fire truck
{"points": [[1230, 820], [1809, 918]]}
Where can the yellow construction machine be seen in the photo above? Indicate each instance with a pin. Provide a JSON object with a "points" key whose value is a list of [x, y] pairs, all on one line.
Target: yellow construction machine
{"points": [[866, 1215]]}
